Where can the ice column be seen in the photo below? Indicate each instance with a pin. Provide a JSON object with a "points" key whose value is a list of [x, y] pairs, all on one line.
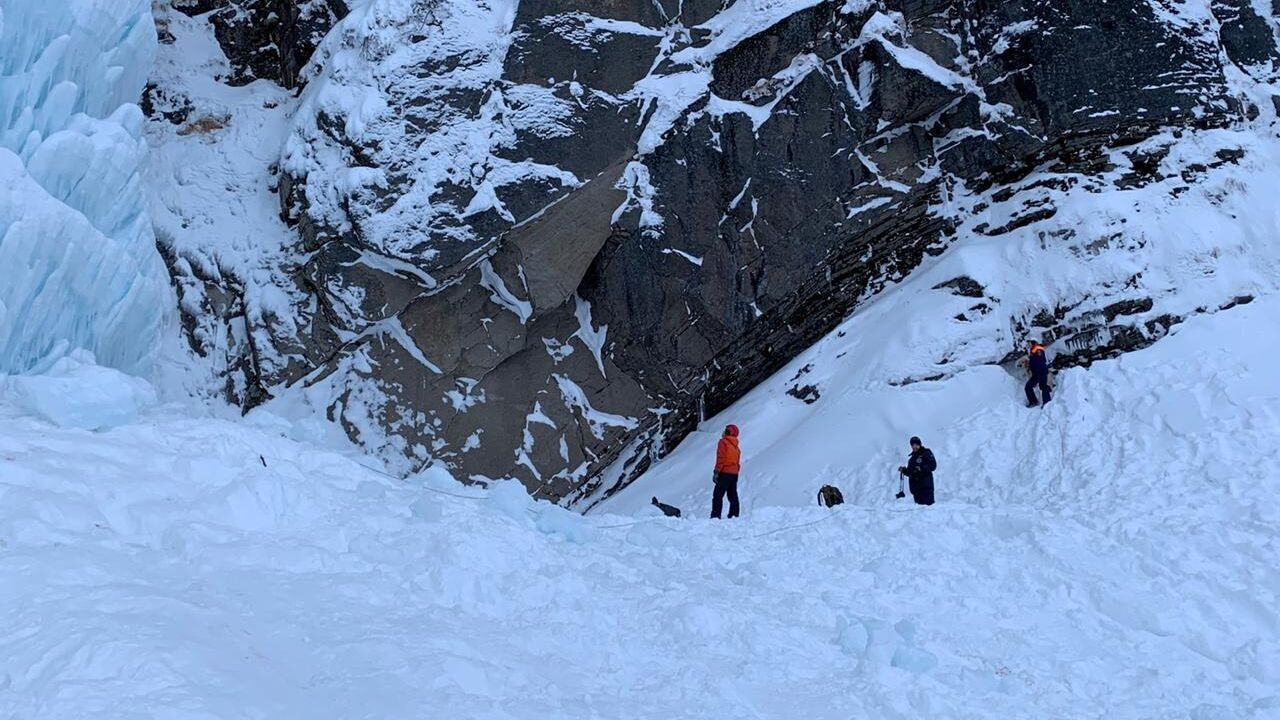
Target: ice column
{"points": [[79, 267]]}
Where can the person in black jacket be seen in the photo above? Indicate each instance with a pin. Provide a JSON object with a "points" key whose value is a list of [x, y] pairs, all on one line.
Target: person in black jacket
{"points": [[1039, 366], [919, 471]]}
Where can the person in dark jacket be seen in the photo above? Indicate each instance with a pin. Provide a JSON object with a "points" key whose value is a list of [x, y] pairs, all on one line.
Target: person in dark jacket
{"points": [[919, 471], [728, 465], [1038, 364]]}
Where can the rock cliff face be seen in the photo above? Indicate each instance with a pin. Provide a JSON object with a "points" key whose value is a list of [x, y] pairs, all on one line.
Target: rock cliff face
{"points": [[545, 237], [267, 39]]}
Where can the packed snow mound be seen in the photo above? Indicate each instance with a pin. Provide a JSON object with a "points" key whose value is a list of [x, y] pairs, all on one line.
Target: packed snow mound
{"points": [[76, 243], [76, 392], [1110, 557]]}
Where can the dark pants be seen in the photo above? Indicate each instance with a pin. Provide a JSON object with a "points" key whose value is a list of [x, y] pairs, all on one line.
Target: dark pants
{"points": [[726, 484], [922, 491], [1043, 382]]}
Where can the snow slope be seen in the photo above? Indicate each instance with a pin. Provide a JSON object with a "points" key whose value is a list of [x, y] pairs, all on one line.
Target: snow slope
{"points": [[1111, 557], [1187, 248], [81, 268]]}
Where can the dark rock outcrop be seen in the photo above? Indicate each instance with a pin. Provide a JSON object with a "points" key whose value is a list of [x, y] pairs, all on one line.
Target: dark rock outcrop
{"points": [[267, 39], [964, 286], [1247, 38]]}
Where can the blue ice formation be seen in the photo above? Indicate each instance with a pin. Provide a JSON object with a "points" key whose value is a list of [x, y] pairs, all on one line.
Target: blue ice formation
{"points": [[79, 269]]}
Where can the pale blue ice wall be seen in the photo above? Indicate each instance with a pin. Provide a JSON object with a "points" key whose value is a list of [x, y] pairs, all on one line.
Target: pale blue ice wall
{"points": [[78, 261]]}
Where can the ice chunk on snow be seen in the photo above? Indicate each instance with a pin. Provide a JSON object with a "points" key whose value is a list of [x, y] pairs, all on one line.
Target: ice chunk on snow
{"points": [[913, 659], [511, 499], [1181, 411], [77, 393], [852, 637], [556, 521], [427, 509], [81, 267]]}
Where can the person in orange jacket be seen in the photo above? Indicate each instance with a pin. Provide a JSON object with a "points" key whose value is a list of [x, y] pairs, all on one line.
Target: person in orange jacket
{"points": [[728, 465]]}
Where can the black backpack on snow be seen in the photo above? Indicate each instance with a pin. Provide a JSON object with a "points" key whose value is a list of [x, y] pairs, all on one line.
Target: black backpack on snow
{"points": [[830, 496]]}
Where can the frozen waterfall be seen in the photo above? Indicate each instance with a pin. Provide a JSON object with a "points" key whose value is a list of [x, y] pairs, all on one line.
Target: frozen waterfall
{"points": [[78, 262]]}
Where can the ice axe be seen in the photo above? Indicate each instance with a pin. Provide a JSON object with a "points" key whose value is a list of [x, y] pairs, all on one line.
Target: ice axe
{"points": [[901, 493]]}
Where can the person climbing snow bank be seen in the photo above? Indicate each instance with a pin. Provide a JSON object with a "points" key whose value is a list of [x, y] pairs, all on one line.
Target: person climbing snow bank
{"points": [[919, 471], [1038, 364], [728, 466]]}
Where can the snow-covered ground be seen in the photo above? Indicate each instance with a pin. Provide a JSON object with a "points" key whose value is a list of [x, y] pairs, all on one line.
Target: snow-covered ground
{"points": [[1113, 556]]}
